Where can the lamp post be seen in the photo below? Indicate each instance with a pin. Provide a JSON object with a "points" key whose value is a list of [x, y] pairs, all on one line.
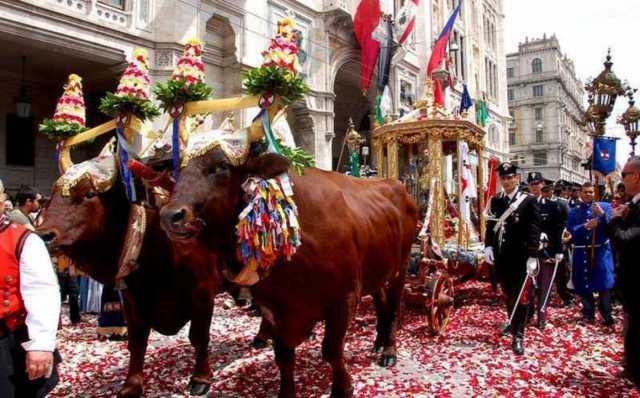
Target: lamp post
{"points": [[630, 119], [603, 91]]}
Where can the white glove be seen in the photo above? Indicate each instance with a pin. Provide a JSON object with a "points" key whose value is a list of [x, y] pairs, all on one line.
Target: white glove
{"points": [[488, 255], [559, 257], [532, 266]]}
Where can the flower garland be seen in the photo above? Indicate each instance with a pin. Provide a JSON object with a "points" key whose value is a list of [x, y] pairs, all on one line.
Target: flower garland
{"points": [[187, 80], [133, 92], [69, 117], [278, 74], [268, 226]]}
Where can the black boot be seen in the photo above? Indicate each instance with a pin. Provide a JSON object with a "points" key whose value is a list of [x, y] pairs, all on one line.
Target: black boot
{"points": [[542, 323], [506, 329], [518, 344]]}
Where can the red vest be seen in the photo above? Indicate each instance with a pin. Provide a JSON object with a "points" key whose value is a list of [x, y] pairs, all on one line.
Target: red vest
{"points": [[12, 238]]}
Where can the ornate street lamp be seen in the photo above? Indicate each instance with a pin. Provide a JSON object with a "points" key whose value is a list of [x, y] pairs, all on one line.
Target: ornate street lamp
{"points": [[603, 91], [630, 119]]}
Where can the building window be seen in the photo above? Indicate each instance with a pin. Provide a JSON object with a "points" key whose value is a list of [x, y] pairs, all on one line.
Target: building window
{"points": [[539, 134], [491, 78], [512, 137], [510, 94], [538, 114], [536, 66], [144, 12], [539, 158], [510, 72], [114, 3], [538, 90], [21, 139], [457, 57]]}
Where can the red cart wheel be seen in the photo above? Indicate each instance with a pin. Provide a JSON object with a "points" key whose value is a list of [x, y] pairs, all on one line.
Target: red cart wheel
{"points": [[442, 294]]}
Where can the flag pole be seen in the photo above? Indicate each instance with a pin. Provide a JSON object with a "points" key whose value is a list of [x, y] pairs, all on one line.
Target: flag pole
{"points": [[595, 199]]}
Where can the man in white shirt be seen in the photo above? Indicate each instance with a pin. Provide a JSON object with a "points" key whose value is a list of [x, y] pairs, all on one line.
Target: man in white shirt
{"points": [[29, 313]]}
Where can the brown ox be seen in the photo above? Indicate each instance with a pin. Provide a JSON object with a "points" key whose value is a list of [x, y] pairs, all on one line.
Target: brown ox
{"points": [[356, 237], [167, 290]]}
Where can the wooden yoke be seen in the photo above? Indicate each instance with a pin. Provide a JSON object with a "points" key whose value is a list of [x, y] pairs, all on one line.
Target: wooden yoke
{"points": [[134, 126], [64, 157], [234, 104]]}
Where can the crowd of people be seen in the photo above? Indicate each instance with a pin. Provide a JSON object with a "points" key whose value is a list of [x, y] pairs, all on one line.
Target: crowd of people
{"points": [[34, 284], [539, 234], [576, 235]]}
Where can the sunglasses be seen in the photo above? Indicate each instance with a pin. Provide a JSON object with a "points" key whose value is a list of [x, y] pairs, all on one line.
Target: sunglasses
{"points": [[626, 173]]}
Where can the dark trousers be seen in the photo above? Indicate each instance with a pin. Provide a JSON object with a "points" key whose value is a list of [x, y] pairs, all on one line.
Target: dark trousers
{"points": [[69, 287], [632, 347], [589, 304], [544, 286], [562, 278], [14, 382], [511, 285]]}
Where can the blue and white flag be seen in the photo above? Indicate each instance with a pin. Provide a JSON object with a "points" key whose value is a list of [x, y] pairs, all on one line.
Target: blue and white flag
{"points": [[604, 155]]}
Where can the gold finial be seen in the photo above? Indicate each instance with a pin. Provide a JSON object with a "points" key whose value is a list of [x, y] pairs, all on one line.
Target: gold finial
{"points": [[354, 139]]}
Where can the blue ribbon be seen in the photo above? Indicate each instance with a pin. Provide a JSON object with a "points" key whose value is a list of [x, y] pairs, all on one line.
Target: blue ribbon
{"points": [[268, 133], [123, 151], [175, 146]]}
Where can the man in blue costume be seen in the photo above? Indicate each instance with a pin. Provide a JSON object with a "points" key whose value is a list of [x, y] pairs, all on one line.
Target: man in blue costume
{"points": [[592, 259]]}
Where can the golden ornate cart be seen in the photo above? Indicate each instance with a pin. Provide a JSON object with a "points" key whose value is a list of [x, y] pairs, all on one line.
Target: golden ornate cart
{"points": [[423, 150]]}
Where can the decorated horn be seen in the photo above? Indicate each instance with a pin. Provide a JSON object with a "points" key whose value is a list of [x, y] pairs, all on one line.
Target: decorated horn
{"points": [[150, 176], [64, 158]]}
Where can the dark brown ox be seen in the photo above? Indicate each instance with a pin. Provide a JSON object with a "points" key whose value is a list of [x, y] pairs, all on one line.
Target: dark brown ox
{"points": [[356, 237], [167, 290]]}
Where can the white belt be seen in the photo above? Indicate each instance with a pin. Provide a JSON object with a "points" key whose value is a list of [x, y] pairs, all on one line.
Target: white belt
{"points": [[585, 246]]}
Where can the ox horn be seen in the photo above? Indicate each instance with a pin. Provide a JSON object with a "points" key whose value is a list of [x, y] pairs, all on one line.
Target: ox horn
{"points": [[256, 131], [64, 157], [150, 176]]}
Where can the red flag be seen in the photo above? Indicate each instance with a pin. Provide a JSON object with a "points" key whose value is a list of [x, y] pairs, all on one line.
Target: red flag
{"points": [[364, 23], [438, 93], [438, 50], [492, 184], [438, 53], [406, 20]]}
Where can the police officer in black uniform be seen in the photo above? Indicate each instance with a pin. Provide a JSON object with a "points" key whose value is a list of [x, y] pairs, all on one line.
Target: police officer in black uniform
{"points": [[512, 243], [575, 200], [564, 270], [552, 223]]}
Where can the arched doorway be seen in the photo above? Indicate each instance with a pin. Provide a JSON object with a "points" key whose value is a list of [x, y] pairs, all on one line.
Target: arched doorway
{"points": [[222, 66], [302, 126], [350, 103]]}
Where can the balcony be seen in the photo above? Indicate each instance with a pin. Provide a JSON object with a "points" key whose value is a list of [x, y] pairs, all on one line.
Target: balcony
{"points": [[91, 11], [336, 5]]}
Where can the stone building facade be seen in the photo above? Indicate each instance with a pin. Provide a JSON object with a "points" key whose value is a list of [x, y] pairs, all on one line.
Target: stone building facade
{"points": [[546, 102], [479, 62], [94, 38]]}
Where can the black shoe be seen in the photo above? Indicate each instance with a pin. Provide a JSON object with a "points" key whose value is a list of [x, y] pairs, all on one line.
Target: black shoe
{"points": [[506, 329], [541, 322], [609, 322], [517, 345]]}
